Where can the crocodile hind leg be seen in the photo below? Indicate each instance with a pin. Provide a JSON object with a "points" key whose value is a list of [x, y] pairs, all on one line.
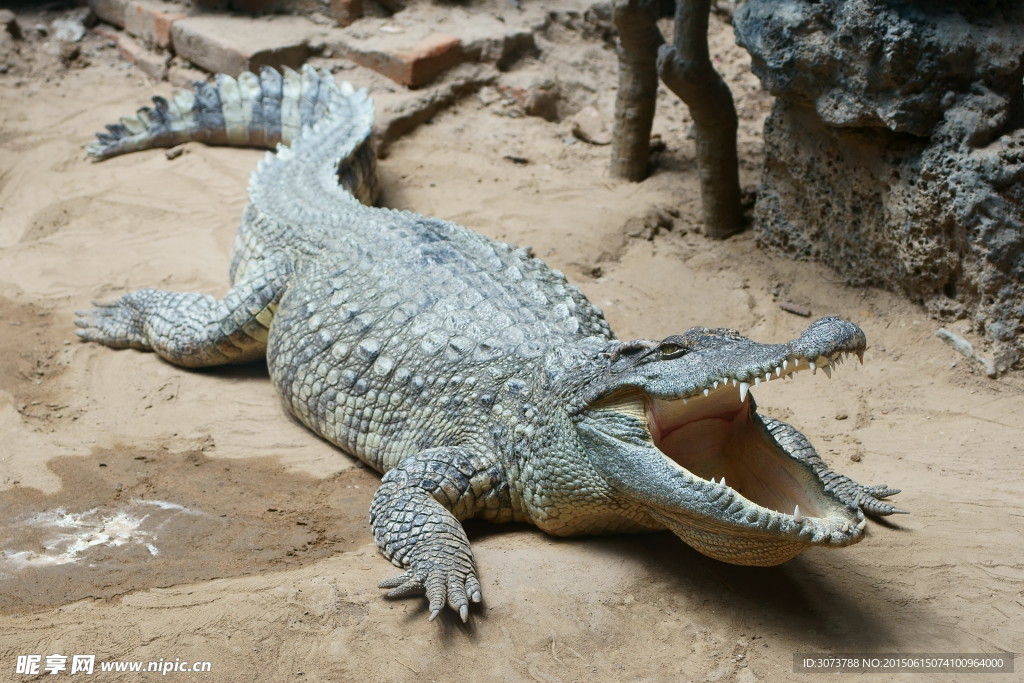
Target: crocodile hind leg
{"points": [[415, 517], [191, 329]]}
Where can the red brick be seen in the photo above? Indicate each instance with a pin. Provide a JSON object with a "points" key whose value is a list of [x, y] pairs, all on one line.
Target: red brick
{"points": [[413, 67], [151, 21], [151, 63], [110, 11], [231, 44]]}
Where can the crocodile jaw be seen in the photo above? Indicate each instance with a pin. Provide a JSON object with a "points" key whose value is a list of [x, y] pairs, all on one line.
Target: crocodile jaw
{"points": [[715, 475], [767, 506]]}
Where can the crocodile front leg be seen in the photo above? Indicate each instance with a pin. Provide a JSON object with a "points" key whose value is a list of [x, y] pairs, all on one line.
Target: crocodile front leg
{"points": [[416, 516], [870, 499], [191, 329]]}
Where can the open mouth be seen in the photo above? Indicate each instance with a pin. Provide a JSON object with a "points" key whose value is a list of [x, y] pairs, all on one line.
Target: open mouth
{"points": [[722, 441], [675, 431], [716, 436]]}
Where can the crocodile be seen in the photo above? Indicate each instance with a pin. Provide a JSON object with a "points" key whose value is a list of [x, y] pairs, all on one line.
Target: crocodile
{"points": [[473, 377]]}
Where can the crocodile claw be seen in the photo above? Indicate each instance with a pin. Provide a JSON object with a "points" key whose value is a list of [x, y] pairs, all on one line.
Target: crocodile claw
{"points": [[455, 590], [870, 500], [115, 324]]}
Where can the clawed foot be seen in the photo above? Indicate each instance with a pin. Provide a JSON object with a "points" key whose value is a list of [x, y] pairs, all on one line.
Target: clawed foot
{"points": [[443, 585], [116, 324], [870, 500]]}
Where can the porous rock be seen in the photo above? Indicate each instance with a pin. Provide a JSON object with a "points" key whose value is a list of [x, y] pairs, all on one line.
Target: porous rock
{"points": [[895, 149]]}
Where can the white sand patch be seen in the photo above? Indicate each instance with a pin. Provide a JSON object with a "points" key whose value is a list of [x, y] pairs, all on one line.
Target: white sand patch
{"points": [[72, 534]]}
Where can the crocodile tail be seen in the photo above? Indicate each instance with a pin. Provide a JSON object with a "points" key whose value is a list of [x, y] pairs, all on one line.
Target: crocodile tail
{"points": [[250, 111]]}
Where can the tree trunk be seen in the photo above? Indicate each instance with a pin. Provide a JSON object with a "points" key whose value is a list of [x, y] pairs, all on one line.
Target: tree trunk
{"points": [[686, 69], [639, 40]]}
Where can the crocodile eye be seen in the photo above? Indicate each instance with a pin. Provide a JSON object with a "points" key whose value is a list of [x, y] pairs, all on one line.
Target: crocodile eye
{"points": [[671, 350]]}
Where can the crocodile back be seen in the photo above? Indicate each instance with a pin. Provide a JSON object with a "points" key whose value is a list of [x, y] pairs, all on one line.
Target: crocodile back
{"points": [[401, 332]]}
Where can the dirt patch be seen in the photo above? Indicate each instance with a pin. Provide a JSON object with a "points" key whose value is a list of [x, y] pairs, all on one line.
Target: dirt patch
{"points": [[127, 519]]}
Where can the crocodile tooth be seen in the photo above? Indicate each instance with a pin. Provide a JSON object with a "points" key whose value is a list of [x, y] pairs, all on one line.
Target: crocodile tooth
{"points": [[768, 376], [796, 514], [706, 392], [757, 381], [785, 363], [813, 366], [715, 385], [827, 369], [861, 524], [846, 527], [860, 357], [744, 387], [734, 381], [796, 362], [778, 371], [685, 400]]}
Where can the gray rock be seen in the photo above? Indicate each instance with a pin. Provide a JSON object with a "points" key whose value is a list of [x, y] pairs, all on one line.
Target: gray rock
{"points": [[71, 26], [895, 150]]}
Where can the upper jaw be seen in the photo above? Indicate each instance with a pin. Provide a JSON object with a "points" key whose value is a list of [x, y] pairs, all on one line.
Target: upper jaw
{"points": [[743, 363]]}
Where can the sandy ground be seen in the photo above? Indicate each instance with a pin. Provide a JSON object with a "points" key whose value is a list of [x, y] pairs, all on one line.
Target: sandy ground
{"points": [[147, 512]]}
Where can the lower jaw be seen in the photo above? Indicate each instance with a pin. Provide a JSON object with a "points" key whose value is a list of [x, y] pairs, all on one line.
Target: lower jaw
{"points": [[776, 490], [733, 545]]}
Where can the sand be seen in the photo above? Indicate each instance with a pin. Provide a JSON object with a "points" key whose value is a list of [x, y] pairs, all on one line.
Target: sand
{"points": [[149, 512]]}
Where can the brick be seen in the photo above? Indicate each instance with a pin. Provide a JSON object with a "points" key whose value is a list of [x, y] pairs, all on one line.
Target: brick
{"points": [[231, 45], [501, 47], [151, 21], [105, 31], [414, 67], [110, 11], [151, 63]]}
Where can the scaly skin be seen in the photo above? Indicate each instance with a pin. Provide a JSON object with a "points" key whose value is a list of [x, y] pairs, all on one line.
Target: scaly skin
{"points": [[476, 379]]}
